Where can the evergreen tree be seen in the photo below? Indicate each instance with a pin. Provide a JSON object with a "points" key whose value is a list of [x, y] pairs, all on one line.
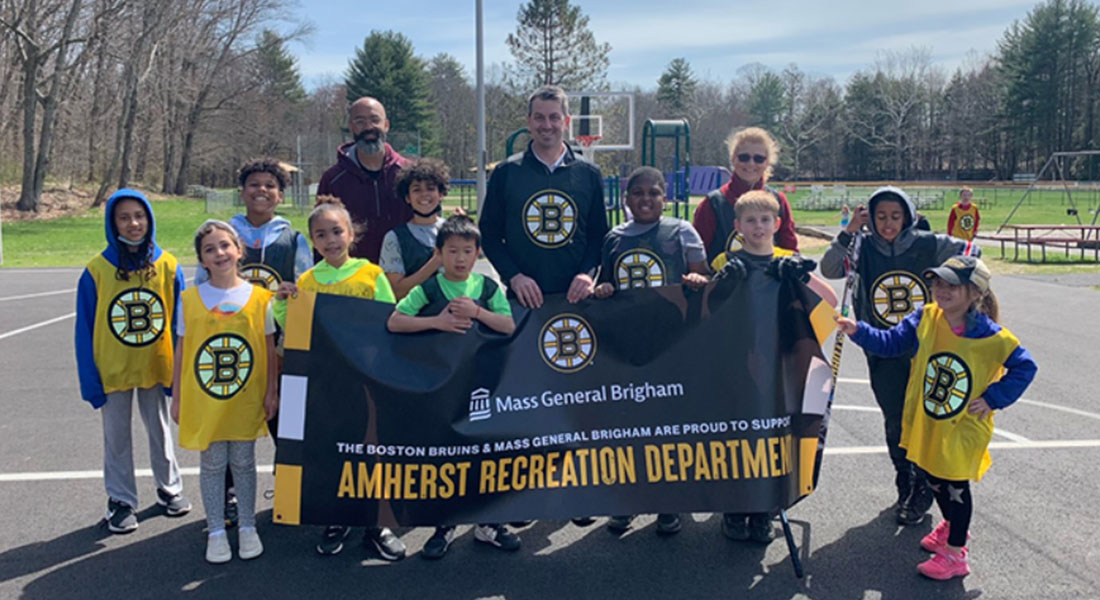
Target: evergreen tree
{"points": [[676, 87], [277, 70], [552, 45], [386, 68]]}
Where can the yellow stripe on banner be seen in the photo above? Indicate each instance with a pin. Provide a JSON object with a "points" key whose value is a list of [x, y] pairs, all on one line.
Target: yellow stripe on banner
{"points": [[821, 319], [807, 456], [299, 319], [288, 494]]}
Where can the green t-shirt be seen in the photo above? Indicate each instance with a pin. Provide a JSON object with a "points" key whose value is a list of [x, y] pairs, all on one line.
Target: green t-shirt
{"points": [[471, 288]]}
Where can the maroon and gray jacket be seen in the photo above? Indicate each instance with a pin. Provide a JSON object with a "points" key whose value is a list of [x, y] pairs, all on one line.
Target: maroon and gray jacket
{"points": [[369, 197]]}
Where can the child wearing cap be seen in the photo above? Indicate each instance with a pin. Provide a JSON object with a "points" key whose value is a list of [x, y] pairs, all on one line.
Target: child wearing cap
{"points": [[965, 366]]}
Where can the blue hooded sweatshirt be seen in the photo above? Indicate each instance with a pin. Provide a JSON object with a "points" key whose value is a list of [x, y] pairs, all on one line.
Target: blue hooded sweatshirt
{"points": [[88, 296]]}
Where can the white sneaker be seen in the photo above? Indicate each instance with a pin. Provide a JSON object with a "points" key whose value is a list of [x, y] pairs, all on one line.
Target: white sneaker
{"points": [[250, 545], [217, 548]]}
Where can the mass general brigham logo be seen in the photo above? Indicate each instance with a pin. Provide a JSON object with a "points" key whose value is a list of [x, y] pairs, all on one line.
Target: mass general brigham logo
{"points": [[567, 343]]}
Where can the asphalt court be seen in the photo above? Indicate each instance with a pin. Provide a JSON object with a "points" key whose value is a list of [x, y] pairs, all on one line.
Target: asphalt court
{"points": [[1034, 527]]}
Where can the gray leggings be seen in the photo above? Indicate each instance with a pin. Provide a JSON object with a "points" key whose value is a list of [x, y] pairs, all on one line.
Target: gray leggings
{"points": [[241, 459]]}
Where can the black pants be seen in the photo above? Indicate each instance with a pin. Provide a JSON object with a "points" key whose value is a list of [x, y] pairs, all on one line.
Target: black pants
{"points": [[889, 379], [956, 504]]}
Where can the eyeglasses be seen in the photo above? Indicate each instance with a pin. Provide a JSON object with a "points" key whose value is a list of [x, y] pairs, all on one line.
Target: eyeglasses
{"points": [[756, 158]]}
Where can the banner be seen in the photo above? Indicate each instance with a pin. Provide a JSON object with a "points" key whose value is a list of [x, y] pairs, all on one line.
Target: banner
{"points": [[655, 400]]}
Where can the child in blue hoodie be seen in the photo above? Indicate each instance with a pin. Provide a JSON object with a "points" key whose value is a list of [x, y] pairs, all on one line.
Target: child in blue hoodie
{"points": [[127, 300]]}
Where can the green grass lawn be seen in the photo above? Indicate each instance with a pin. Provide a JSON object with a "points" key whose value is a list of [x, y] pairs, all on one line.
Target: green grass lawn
{"points": [[71, 241]]}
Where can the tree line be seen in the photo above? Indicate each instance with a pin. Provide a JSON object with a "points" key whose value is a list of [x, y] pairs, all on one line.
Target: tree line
{"points": [[170, 94]]}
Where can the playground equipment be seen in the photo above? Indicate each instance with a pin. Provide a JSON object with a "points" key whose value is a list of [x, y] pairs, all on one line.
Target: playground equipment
{"points": [[673, 129], [1057, 160]]}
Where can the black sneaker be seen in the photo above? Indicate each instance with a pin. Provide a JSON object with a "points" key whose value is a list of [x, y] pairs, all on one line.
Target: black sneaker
{"points": [[175, 505], [734, 527], [916, 505], [620, 523], [668, 524], [520, 523], [389, 546], [760, 528], [497, 536], [332, 540], [231, 513], [120, 517], [583, 521], [437, 545]]}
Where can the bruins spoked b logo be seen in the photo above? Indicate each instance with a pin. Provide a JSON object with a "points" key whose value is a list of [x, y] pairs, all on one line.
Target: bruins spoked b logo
{"points": [[223, 365], [567, 343], [639, 268], [550, 218], [136, 317], [895, 294], [262, 275], [966, 222], [947, 384]]}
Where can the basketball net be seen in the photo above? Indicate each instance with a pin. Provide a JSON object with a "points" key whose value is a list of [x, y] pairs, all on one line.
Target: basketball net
{"points": [[587, 141]]}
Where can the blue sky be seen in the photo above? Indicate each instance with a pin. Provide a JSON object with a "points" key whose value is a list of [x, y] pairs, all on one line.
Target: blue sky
{"points": [[834, 38]]}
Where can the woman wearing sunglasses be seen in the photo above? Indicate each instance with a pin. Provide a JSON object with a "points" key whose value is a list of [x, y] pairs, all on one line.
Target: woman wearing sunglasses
{"points": [[753, 151]]}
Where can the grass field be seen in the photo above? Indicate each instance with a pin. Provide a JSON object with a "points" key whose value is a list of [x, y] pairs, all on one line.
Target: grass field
{"points": [[72, 240]]}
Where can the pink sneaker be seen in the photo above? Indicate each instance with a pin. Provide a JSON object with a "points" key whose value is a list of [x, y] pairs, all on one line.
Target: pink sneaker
{"points": [[945, 565], [936, 541]]}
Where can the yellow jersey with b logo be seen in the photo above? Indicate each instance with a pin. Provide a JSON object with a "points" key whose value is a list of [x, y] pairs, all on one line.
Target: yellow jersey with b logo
{"points": [[132, 338], [937, 431], [224, 372], [360, 284]]}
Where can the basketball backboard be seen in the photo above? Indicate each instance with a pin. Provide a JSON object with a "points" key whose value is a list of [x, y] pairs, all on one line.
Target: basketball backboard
{"points": [[602, 121]]}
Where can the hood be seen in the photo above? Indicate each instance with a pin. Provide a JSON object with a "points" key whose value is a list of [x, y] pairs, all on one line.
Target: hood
{"points": [[910, 208], [114, 247], [262, 236]]}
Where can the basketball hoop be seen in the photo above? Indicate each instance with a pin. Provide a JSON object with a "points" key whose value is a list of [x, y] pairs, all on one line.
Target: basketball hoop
{"points": [[588, 141]]}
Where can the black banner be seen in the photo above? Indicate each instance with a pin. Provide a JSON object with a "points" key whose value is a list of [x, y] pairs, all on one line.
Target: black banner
{"points": [[655, 400]]}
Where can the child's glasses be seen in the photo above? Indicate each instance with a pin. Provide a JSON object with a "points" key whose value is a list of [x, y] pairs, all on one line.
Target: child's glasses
{"points": [[756, 158]]}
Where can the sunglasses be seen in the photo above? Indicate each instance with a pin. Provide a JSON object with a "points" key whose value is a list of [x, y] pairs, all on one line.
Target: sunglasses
{"points": [[756, 158]]}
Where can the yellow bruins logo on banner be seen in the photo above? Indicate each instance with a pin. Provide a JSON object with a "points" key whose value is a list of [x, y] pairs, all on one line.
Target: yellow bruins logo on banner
{"points": [[262, 275], [947, 385], [223, 365], [550, 218], [639, 268], [895, 294], [136, 317], [567, 343]]}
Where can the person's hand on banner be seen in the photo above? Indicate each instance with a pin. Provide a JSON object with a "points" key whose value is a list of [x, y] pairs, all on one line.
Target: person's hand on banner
{"points": [[846, 325], [464, 307], [526, 290], [604, 290], [582, 287], [695, 281], [733, 269], [452, 323], [286, 289], [792, 267]]}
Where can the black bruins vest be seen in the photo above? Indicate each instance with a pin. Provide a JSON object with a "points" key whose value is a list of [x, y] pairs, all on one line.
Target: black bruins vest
{"points": [[437, 301], [725, 236], [652, 259], [891, 287], [273, 264], [414, 254]]}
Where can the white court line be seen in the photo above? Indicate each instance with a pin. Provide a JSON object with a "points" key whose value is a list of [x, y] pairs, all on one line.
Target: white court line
{"points": [[57, 270], [36, 325], [38, 295], [1073, 411], [853, 380], [71, 475], [1015, 437]]}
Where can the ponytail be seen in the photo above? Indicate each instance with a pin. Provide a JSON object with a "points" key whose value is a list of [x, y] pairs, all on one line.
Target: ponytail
{"points": [[987, 303]]}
